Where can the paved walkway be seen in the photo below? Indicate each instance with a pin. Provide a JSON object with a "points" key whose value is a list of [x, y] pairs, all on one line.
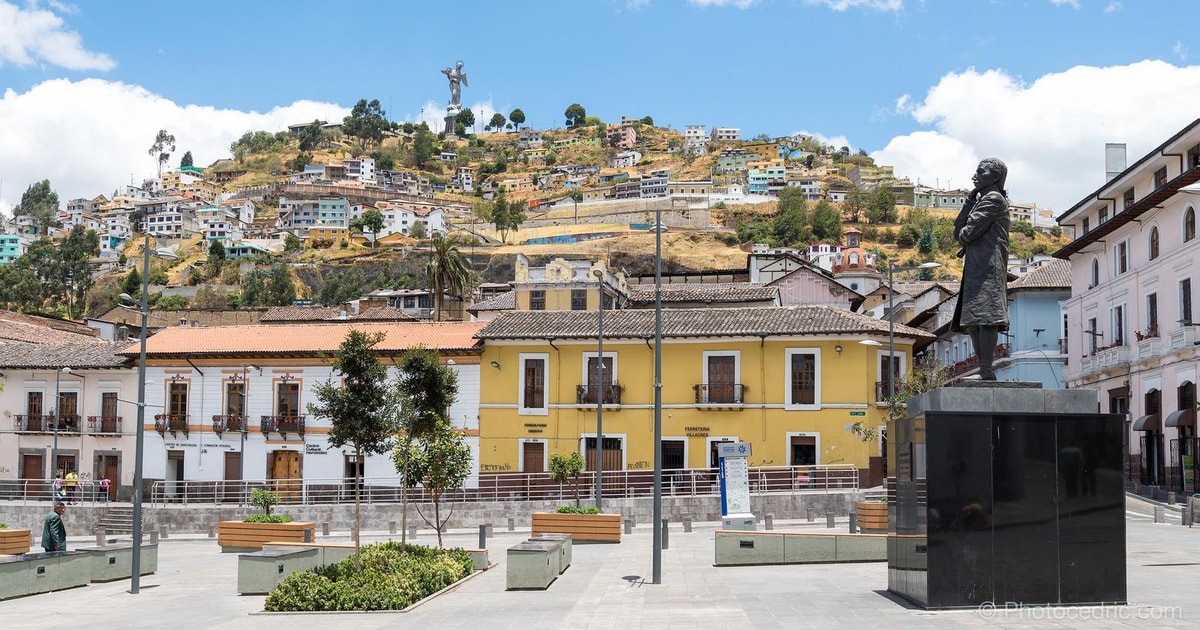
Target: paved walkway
{"points": [[607, 587]]}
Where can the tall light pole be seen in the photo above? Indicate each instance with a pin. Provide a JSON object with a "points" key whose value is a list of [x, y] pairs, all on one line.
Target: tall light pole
{"points": [[599, 273], [892, 323], [139, 443], [57, 417], [656, 568]]}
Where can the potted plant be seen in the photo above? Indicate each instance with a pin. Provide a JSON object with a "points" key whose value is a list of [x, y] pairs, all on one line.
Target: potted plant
{"points": [[252, 531], [583, 524]]}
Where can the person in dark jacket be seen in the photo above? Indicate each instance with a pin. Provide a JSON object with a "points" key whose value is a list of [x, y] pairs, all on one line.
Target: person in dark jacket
{"points": [[54, 532], [982, 229]]}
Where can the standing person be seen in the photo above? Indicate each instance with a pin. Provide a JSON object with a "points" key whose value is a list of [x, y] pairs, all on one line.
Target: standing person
{"points": [[59, 494], [982, 229], [104, 484], [72, 486], [54, 532]]}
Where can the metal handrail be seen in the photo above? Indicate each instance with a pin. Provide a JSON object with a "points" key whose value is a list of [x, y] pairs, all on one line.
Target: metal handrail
{"points": [[33, 491], [693, 482]]}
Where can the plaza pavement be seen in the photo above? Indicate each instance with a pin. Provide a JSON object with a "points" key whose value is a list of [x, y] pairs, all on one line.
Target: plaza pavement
{"points": [[607, 586]]}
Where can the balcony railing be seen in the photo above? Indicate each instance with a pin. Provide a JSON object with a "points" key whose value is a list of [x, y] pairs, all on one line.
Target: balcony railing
{"points": [[585, 395], [1183, 337], [221, 424], [1003, 350], [104, 425], [175, 423], [283, 425], [29, 423], [720, 393], [1112, 357]]}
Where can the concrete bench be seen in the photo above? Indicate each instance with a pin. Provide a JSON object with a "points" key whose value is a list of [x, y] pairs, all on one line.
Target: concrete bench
{"points": [[532, 565], [734, 548], [260, 572], [43, 572], [327, 553], [564, 548], [115, 561]]}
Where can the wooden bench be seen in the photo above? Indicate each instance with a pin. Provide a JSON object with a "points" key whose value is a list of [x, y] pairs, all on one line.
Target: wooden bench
{"points": [[14, 542], [581, 527], [236, 536]]}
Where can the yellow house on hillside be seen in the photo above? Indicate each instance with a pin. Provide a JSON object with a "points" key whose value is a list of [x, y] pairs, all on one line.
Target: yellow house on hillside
{"points": [[789, 380]]}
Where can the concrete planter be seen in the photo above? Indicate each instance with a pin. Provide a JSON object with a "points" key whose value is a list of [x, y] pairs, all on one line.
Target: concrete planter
{"points": [[14, 541], [872, 516], [236, 536], [581, 527]]}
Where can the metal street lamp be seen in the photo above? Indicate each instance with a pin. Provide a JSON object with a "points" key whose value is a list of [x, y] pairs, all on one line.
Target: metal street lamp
{"points": [[135, 578], [892, 322], [656, 539], [57, 416], [599, 273]]}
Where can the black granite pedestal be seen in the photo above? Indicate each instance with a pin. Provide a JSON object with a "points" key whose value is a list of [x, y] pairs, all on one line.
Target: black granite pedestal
{"points": [[1009, 496]]}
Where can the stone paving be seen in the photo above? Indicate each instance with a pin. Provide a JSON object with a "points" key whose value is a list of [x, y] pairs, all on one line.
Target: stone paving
{"points": [[608, 586]]}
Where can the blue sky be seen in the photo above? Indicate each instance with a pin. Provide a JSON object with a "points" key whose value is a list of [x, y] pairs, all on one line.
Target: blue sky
{"points": [[928, 86]]}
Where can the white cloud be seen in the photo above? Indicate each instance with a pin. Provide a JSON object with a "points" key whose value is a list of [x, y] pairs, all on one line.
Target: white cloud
{"points": [[876, 5], [35, 35], [636, 5], [741, 4], [88, 137], [1051, 133], [1113, 7], [1070, 3], [1180, 51]]}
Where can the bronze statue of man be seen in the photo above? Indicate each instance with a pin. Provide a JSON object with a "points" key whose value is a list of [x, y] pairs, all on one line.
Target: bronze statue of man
{"points": [[982, 229]]}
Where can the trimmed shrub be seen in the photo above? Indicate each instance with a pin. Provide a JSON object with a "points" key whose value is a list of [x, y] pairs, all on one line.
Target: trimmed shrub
{"points": [[267, 518], [3, 525], [571, 509], [393, 577]]}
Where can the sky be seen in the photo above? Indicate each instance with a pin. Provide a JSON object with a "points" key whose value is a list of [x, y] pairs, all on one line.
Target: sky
{"points": [[927, 86]]}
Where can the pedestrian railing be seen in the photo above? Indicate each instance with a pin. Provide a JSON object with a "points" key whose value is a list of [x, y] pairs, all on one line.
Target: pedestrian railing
{"points": [[32, 491]]}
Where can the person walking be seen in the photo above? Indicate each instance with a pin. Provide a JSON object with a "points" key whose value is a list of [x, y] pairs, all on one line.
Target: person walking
{"points": [[72, 487], [54, 532], [104, 485]]}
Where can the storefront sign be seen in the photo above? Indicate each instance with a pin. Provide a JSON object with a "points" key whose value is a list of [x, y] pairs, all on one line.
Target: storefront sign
{"points": [[535, 427], [314, 449], [696, 431]]}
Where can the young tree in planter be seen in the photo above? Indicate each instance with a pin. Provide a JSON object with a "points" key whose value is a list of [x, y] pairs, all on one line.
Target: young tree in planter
{"points": [[426, 389], [563, 467], [441, 460], [357, 407]]}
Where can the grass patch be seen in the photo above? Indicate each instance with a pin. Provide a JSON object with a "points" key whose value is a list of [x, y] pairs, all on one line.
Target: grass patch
{"points": [[393, 577]]}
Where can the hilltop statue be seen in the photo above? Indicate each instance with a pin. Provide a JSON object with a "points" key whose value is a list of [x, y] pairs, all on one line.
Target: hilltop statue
{"points": [[455, 75], [982, 229]]}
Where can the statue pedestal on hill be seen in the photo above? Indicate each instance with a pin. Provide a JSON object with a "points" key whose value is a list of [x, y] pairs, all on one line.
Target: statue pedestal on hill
{"points": [[457, 79]]}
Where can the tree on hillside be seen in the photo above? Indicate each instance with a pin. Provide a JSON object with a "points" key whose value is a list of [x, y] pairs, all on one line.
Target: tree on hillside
{"points": [[497, 122], [163, 147], [291, 243], [417, 230], [883, 204], [576, 115], [425, 389], [357, 407], [372, 221], [280, 289], [367, 122], [854, 205], [507, 216], [301, 160], [20, 289], [447, 271], [186, 160], [460, 129], [216, 256], [927, 242], [424, 146], [341, 286], [466, 118], [648, 121], [517, 117], [310, 136], [791, 225], [39, 203], [254, 289], [826, 222]]}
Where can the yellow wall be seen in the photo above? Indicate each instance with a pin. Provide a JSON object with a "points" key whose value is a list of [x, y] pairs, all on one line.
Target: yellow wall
{"points": [[846, 387], [557, 300]]}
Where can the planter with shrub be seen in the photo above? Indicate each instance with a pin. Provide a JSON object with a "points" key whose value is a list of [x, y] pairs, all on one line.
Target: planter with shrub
{"points": [[393, 576], [251, 532], [583, 524], [871, 516]]}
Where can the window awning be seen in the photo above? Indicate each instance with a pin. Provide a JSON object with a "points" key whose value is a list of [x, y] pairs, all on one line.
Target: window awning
{"points": [[1149, 422], [1181, 418]]}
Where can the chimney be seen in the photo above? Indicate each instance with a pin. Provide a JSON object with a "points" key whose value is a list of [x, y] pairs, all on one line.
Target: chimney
{"points": [[1114, 160], [183, 322]]}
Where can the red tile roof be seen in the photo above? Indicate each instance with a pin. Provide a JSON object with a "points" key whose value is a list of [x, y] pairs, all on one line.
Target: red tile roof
{"points": [[306, 339]]}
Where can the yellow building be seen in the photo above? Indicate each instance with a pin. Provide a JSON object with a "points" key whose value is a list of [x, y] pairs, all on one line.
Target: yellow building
{"points": [[792, 381]]}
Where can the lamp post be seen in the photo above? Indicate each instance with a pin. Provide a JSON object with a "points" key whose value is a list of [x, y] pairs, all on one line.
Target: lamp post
{"points": [[245, 418], [57, 416], [656, 539], [599, 273], [136, 561], [892, 323]]}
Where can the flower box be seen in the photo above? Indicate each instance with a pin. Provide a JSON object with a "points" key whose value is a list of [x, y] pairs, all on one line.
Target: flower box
{"points": [[871, 516], [239, 536], [581, 527]]}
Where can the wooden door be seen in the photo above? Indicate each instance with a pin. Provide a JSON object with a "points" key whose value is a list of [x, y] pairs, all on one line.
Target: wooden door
{"points": [[233, 475], [33, 468], [110, 468], [535, 453], [285, 475], [721, 379]]}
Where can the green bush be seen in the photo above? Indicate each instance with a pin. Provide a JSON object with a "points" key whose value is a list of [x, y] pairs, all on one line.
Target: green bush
{"points": [[264, 499], [3, 525], [267, 518], [571, 509], [393, 577]]}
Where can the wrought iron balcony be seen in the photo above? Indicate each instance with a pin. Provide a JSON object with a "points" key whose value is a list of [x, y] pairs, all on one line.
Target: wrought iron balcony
{"points": [[29, 423], [175, 423], [234, 422], [585, 395], [720, 393], [104, 425], [283, 425], [69, 423]]}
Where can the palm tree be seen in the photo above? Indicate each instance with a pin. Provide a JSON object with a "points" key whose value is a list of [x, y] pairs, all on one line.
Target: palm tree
{"points": [[446, 271]]}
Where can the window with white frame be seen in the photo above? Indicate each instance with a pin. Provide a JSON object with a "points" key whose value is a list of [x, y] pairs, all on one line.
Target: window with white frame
{"points": [[1095, 274], [1185, 301], [599, 377], [1121, 257], [1189, 224], [1152, 315], [535, 382], [1092, 334], [1118, 325], [721, 371], [802, 378], [1154, 242]]}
